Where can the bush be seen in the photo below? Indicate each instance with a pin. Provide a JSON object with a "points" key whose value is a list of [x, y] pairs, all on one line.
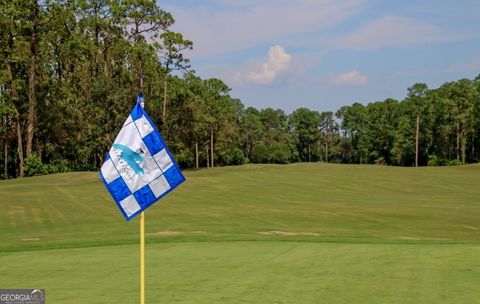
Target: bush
{"points": [[235, 156], [57, 168], [434, 160], [279, 153], [259, 153], [380, 161], [454, 162], [33, 166], [83, 167], [185, 158]]}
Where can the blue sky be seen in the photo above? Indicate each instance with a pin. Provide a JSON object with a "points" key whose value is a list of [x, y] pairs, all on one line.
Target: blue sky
{"points": [[322, 54]]}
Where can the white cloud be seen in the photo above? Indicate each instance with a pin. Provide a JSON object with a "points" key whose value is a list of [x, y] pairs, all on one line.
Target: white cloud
{"points": [[278, 61], [393, 31], [292, 74], [240, 25], [353, 77]]}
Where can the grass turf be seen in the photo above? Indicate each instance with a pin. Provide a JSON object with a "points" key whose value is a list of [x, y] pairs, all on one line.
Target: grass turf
{"points": [[302, 233]]}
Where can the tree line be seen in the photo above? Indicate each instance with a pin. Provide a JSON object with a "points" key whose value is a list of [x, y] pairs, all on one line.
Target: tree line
{"points": [[70, 71]]}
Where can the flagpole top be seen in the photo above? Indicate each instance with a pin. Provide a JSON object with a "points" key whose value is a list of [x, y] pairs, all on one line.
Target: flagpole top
{"points": [[140, 99]]}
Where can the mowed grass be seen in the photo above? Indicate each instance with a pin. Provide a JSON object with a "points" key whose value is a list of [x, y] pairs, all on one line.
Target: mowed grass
{"points": [[301, 233]]}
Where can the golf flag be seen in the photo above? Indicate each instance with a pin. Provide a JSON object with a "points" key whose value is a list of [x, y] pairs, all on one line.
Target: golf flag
{"points": [[139, 169]]}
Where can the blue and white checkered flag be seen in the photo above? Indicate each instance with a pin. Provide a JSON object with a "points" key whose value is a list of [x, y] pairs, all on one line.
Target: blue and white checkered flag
{"points": [[139, 169]]}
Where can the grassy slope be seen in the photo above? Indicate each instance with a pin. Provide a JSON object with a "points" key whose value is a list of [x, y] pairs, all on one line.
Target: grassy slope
{"points": [[316, 202], [355, 234]]}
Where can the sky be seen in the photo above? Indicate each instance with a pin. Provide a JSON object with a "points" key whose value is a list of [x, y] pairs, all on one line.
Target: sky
{"points": [[323, 54]]}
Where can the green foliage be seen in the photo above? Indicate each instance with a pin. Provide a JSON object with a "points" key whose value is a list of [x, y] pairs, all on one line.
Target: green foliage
{"points": [[259, 153], [454, 162], [185, 158], [93, 57], [275, 153], [437, 161], [403, 147], [34, 166], [58, 168], [279, 153], [434, 160], [306, 124], [233, 156], [173, 45]]}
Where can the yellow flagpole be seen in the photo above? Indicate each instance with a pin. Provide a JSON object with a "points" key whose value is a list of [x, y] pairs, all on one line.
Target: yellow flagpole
{"points": [[142, 258], [142, 237]]}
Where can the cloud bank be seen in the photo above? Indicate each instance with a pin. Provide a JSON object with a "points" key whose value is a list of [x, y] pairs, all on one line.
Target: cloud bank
{"points": [[393, 31], [244, 24], [351, 78]]}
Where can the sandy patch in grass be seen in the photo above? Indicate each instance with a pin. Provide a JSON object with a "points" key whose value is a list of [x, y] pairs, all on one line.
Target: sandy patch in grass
{"points": [[289, 233], [174, 233], [30, 240], [411, 238], [166, 233]]}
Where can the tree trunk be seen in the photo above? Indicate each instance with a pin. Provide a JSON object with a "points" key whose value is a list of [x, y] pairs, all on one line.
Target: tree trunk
{"points": [[326, 151], [463, 148], [212, 151], [164, 113], [208, 158], [473, 145], [5, 162], [458, 142], [106, 70], [12, 94], [417, 132], [32, 101], [106, 48], [141, 73], [97, 60], [20, 149], [309, 154], [97, 47], [139, 55], [9, 83], [197, 164]]}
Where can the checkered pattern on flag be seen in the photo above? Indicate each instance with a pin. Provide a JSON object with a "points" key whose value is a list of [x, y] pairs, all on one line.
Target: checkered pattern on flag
{"points": [[139, 169]]}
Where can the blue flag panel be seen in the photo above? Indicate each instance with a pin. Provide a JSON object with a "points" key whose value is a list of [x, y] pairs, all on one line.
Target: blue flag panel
{"points": [[139, 169]]}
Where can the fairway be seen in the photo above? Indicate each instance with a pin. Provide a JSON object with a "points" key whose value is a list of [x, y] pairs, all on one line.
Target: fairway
{"points": [[300, 233]]}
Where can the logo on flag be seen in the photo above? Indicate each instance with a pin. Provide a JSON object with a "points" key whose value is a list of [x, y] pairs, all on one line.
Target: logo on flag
{"points": [[139, 169]]}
